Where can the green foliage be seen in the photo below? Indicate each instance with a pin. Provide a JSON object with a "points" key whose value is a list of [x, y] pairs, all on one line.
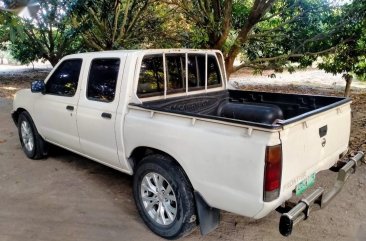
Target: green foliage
{"points": [[198, 37], [10, 28], [265, 34], [118, 24], [48, 36], [166, 29], [289, 31], [350, 56], [241, 10], [269, 34], [22, 50]]}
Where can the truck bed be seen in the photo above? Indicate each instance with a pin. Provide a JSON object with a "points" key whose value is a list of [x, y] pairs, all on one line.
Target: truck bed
{"points": [[261, 109]]}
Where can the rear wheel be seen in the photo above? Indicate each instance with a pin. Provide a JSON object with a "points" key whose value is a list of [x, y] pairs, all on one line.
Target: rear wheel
{"points": [[32, 143], [164, 197]]}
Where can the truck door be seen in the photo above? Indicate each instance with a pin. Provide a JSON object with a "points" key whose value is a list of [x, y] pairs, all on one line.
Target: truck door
{"points": [[97, 108], [55, 110]]}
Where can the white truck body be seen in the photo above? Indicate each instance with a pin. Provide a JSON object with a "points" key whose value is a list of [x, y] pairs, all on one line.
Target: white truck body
{"points": [[224, 161]]}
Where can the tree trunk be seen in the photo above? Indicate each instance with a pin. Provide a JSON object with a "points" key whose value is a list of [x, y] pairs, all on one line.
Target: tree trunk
{"points": [[348, 77], [259, 9], [226, 25], [229, 65], [53, 61]]}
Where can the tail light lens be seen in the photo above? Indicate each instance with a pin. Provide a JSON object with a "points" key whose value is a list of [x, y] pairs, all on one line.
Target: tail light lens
{"points": [[272, 173]]}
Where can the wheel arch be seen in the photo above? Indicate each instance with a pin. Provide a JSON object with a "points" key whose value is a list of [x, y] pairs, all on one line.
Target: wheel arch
{"points": [[208, 218], [140, 152], [41, 149], [16, 113]]}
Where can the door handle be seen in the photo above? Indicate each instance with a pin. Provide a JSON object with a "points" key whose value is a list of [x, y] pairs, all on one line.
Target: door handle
{"points": [[106, 115], [69, 107]]}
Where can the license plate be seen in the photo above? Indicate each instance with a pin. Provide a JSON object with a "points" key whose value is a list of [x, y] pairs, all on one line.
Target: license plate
{"points": [[305, 184]]}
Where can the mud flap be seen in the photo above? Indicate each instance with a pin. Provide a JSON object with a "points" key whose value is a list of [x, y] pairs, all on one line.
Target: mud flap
{"points": [[208, 217]]}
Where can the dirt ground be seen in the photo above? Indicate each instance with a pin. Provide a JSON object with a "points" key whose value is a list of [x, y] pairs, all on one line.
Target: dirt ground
{"points": [[11, 81], [68, 197], [309, 77]]}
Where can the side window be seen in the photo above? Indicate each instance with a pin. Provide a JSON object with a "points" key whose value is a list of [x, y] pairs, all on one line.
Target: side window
{"points": [[103, 79], [151, 79], [64, 81], [176, 76], [213, 72], [196, 71]]}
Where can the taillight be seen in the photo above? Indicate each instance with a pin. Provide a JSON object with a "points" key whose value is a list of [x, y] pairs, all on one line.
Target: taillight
{"points": [[272, 173]]}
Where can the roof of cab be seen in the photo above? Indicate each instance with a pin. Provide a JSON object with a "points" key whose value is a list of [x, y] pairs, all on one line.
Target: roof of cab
{"points": [[143, 51]]}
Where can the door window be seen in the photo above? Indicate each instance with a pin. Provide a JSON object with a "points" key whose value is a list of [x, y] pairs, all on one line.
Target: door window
{"points": [[64, 80], [103, 79]]}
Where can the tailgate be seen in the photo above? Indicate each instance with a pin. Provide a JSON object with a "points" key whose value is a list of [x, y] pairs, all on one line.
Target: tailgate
{"points": [[313, 144]]}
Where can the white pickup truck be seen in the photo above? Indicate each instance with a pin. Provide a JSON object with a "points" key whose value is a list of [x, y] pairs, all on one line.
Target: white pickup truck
{"points": [[193, 145]]}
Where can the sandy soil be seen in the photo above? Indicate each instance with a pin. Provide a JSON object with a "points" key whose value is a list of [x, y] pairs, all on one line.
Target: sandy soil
{"points": [[308, 77], [68, 197], [14, 79]]}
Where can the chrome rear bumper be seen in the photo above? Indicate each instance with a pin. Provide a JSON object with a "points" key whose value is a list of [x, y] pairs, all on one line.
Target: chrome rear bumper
{"points": [[319, 198]]}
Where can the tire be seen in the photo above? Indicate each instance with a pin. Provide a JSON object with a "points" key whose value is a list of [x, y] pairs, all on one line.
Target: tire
{"points": [[167, 173], [32, 143]]}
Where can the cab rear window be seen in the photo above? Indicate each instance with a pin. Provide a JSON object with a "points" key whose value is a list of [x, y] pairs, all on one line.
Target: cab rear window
{"points": [[181, 71], [151, 79]]}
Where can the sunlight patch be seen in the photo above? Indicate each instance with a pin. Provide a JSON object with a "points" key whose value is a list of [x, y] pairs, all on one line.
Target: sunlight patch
{"points": [[9, 88]]}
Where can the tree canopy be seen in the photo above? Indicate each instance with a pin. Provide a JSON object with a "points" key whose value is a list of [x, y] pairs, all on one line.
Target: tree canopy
{"points": [[110, 25], [48, 36], [350, 56], [268, 34], [261, 34]]}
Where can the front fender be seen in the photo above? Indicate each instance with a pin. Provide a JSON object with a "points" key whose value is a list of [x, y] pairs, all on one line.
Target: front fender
{"points": [[24, 99]]}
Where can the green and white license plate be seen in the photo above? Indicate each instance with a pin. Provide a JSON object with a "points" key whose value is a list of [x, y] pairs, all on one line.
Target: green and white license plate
{"points": [[305, 184]]}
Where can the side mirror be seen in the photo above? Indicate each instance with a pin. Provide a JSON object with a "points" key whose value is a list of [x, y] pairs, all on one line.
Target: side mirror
{"points": [[38, 86]]}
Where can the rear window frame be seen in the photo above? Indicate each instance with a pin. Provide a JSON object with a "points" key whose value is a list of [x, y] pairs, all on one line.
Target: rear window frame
{"points": [[179, 92]]}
